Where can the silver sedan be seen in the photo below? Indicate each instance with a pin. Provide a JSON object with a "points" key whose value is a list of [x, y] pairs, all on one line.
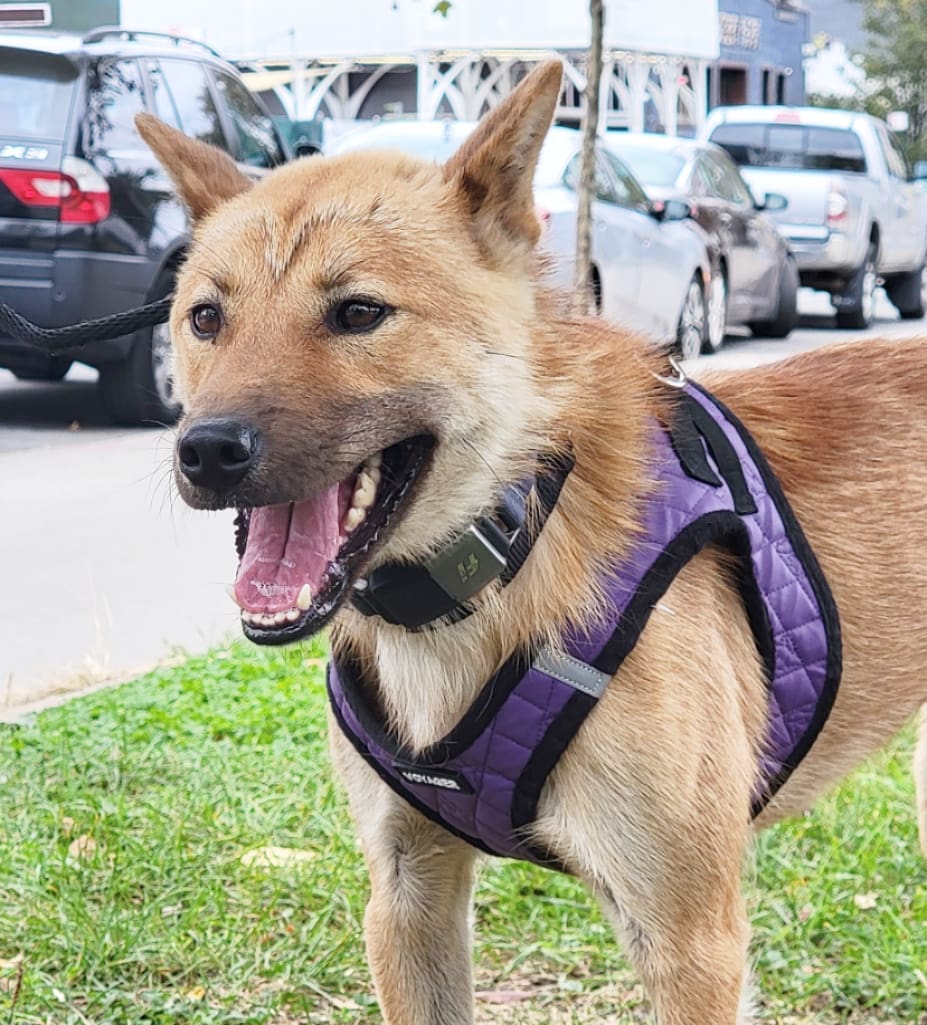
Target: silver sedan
{"points": [[650, 272]]}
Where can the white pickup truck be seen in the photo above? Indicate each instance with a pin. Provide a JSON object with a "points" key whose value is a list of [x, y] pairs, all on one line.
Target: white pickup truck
{"points": [[854, 219]]}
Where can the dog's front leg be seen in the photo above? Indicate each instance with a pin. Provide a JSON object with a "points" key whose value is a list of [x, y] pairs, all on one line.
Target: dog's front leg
{"points": [[417, 924]]}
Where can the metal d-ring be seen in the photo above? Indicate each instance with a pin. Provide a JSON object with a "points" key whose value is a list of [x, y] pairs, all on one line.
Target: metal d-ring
{"points": [[679, 381]]}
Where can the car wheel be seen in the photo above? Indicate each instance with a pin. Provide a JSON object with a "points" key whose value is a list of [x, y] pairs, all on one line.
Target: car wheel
{"points": [[908, 293], [787, 312], [54, 370], [717, 313], [690, 331], [858, 299], [140, 389]]}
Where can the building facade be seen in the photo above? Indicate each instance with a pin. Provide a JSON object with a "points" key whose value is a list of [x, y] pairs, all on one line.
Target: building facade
{"points": [[761, 53]]}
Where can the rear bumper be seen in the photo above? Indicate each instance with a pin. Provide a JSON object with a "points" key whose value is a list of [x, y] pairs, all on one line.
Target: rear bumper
{"points": [[820, 249], [66, 287]]}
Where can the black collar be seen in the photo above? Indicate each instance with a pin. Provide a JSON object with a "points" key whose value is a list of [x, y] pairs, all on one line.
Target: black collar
{"points": [[417, 595]]}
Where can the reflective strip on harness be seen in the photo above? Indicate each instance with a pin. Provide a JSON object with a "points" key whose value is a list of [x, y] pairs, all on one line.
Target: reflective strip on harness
{"points": [[483, 781]]}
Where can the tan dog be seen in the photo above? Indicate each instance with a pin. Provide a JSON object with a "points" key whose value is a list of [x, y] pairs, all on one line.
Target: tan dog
{"points": [[357, 327]]}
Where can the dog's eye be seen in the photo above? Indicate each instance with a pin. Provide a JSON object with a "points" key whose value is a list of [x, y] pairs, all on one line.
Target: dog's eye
{"points": [[354, 316], [205, 320]]}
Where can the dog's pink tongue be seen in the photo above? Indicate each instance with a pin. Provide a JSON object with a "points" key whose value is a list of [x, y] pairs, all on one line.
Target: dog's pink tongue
{"points": [[288, 546]]}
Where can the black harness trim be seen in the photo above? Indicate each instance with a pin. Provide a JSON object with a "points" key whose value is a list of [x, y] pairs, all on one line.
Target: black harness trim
{"points": [[825, 599]]}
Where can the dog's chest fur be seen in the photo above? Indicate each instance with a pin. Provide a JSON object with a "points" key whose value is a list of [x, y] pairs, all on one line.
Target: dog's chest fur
{"points": [[427, 680]]}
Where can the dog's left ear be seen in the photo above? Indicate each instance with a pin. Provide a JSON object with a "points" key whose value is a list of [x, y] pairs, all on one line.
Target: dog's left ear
{"points": [[203, 175], [491, 174]]}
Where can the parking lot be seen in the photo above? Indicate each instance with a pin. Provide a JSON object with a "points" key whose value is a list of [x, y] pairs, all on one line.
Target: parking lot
{"points": [[111, 570]]}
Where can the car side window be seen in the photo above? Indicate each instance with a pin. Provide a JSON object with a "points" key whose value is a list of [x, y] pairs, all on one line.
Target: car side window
{"points": [[726, 182], [162, 101], [894, 157], [627, 188], [257, 141], [711, 171], [112, 106], [604, 186], [734, 185], [700, 185], [193, 102]]}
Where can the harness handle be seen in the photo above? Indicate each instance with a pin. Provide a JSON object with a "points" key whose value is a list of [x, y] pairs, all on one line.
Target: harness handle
{"points": [[61, 339]]}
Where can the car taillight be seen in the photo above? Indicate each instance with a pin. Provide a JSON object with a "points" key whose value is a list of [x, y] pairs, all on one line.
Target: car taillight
{"points": [[837, 205], [78, 190]]}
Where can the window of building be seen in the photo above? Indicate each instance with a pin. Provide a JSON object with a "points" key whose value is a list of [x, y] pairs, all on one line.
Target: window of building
{"points": [[732, 83]]}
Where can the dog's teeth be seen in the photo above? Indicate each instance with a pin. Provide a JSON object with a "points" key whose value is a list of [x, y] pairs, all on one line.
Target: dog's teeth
{"points": [[267, 620], [249, 617], [373, 462], [279, 618], [292, 615], [364, 491], [354, 518], [304, 598], [230, 591]]}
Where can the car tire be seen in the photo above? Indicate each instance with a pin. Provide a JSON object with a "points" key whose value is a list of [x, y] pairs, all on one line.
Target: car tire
{"points": [[859, 294], [139, 390], [716, 327], [55, 370], [908, 293], [693, 318], [782, 325]]}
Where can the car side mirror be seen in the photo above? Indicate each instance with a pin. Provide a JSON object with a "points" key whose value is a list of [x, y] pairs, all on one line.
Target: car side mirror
{"points": [[664, 210], [773, 202]]}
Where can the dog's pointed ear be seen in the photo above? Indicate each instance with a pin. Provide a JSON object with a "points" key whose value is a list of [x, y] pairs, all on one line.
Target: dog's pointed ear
{"points": [[492, 173], [204, 176]]}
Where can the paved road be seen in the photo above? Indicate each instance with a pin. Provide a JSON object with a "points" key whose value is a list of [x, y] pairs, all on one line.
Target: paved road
{"points": [[104, 572]]}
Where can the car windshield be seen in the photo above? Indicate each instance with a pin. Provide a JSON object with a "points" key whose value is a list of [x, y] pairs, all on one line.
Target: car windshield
{"points": [[35, 95], [651, 166], [794, 147]]}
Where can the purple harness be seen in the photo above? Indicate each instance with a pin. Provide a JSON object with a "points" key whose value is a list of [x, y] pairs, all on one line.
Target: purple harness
{"points": [[483, 781]]}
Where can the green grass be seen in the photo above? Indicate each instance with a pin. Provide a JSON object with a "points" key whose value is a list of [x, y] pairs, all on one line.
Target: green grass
{"points": [[157, 921]]}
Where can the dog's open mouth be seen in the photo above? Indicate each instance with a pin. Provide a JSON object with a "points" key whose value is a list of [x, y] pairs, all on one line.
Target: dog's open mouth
{"points": [[298, 560]]}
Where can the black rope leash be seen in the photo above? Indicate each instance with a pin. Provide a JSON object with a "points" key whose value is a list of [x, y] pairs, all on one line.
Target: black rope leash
{"points": [[61, 339]]}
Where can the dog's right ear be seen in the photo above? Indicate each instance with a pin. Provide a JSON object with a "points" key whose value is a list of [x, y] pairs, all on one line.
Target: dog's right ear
{"points": [[204, 176], [492, 172]]}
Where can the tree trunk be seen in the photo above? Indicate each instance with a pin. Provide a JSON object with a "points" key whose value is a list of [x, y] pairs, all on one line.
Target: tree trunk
{"points": [[583, 296]]}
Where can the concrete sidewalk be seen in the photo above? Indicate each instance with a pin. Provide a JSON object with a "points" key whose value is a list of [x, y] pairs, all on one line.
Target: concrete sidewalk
{"points": [[101, 573]]}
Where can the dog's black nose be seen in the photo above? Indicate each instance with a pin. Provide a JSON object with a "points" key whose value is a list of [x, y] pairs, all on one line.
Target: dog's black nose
{"points": [[216, 454]]}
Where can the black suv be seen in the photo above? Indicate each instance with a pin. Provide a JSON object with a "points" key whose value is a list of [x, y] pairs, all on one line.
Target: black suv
{"points": [[88, 222]]}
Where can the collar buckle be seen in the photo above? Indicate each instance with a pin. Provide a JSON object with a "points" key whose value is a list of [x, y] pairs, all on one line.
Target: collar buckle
{"points": [[471, 561], [414, 595]]}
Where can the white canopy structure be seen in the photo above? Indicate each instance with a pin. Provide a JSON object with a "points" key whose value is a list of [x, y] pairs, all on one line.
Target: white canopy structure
{"points": [[328, 59]]}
